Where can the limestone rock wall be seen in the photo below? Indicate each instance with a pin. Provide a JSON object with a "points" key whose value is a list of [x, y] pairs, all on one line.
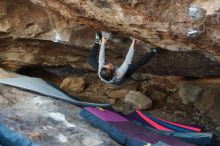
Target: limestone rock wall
{"points": [[172, 24], [189, 28]]}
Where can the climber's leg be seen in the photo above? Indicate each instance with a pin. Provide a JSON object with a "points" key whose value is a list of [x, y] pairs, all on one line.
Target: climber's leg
{"points": [[134, 67], [92, 60], [93, 52]]}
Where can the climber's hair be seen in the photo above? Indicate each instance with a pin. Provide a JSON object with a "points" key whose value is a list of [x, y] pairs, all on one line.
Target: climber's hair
{"points": [[107, 74]]}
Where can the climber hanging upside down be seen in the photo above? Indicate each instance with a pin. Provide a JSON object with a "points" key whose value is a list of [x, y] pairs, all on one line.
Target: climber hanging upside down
{"points": [[106, 71]]}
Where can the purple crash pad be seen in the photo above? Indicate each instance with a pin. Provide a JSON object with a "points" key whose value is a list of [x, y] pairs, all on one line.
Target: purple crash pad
{"points": [[131, 130]]}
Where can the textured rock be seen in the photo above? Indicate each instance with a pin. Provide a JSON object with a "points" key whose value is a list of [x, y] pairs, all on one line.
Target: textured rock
{"points": [[97, 91], [172, 99], [175, 25], [157, 95], [73, 84], [171, 25], [189, 93], [116, 94], [208, 100], [47, 121], [138, 100], [209, 104], [32, 21], [121, 91], [21, 53]]}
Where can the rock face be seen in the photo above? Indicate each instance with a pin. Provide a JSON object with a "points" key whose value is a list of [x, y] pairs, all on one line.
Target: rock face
{"points": [[47, 121], [204, 94], [174, 25], [189, 93], [191, 26], [209, 104], [16, 54], [20, 53]]}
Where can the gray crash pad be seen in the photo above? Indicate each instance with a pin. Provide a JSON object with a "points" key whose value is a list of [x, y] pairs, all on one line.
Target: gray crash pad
{"points": [[42, 87]]}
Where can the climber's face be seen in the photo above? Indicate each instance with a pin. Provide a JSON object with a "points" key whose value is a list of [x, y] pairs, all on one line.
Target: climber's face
{"points": [[108, 67], [107, 41]]}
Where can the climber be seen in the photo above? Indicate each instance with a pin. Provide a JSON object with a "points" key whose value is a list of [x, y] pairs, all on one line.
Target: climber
{"points": [[106, 71]]}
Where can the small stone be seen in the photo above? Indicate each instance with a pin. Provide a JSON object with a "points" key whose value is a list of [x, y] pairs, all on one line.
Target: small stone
{"points": [[157, 95], [73, 84], [179, 113], [111, 101], [138, 100]]}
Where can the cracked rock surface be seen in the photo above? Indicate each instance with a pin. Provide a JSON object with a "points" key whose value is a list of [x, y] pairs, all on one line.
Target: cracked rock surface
{"points": [[47, 121]]}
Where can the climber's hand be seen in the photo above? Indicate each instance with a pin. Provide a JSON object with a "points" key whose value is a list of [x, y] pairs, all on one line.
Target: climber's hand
{"points": [[133, 42]]}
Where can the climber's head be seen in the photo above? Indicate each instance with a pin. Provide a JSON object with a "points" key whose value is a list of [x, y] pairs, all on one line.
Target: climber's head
{"points": [[107, 72]]}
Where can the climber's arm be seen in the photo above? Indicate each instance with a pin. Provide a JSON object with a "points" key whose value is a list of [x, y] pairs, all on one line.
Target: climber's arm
{"points": [[128, 60], [102, 54]]}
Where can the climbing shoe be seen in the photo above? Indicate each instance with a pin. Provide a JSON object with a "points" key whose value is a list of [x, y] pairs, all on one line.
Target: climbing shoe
{"points": [[156, 50], [98, 37]]}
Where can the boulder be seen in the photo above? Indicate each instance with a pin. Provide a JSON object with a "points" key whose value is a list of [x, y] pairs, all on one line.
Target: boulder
{"points": [[120, 91], [189, 92], [204, 93], [209, 104], [156, 95], [206, 101], [117, 94], [138, 100], [73, 84], [98, 91], [47, 121]]}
